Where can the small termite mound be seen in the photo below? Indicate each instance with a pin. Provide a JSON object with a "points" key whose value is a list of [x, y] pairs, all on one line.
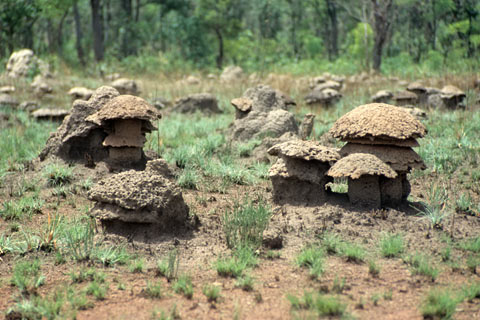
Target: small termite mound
{"points": [[388, 133], [299, 175], [126, 119]]}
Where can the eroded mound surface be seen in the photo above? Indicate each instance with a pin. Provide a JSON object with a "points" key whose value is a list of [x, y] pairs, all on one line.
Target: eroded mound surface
{"points": [[400, 159], [358, 164], [140, 197], [307, 150], [378, 120]]}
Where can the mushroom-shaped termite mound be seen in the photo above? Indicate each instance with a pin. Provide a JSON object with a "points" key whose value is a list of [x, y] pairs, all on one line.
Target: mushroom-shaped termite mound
{"points": [[387, 132], [364, 172], [420, 90], [76, 139], [132, 200], [299, 175], [126, 119], [405, 97], [379, 123], [453, 97]]}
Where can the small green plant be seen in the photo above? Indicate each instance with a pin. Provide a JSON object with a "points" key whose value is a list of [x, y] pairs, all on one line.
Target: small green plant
{"points": [[244, 224], [464, 204], [373, 268], [168, 267], [245, 282], [470, 292], [211, 292], [421, 264], [242, 258], [312, 258], [439, 305], [184, 286], [27, 277], [331, 242], [137, 266], [189, 178], [391, 245], [320, 304], [446, 254], [97, 289], [110, 255], [473, 261], [388, 295], [376, 298], [272, 254], [77, 239], [338, 285], [26, 206], [89, 274], [58, 175], [353, 253], [154, 290], [434, 209], [472, 245]]}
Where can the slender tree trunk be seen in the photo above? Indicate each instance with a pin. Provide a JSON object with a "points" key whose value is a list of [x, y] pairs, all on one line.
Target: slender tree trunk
{"points": [[60, 32], [382, 24], [50, 38], [79, 34], [333, 43], [434, 25], [127, 45], [97, 27], [365, 36], [220, 48], [137, 10]]}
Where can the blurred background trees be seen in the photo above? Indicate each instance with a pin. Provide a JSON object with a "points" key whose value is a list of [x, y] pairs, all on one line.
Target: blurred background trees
{"points": [[256, 34]]}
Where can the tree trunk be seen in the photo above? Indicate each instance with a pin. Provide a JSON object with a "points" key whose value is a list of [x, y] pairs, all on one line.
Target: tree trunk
{"points": [[220, 48], [50, 33], [79, 34], [434, 26], [60, 32], [137, 10], [97, 26], [127, 45], [333, 36], [381, 27]]}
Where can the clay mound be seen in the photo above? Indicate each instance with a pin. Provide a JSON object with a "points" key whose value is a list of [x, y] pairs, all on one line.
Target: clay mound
{"points": [[386, 142], [378, 120], [325, 96], [80, 93], [23, 62], [139, 197], [204, 102], [405, 95], [125, 107], [382, 96], [416, 86], [265, 99], [242, 104], [126, 86], [261, 124], [358, 164], [75, 138], [306, 150], [8, 100], [50, 114], [450, 91], [399, 159]]}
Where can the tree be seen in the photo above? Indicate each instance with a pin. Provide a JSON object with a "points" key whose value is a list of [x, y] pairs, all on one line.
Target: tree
{"points": [[97, 28], [381, 12], [223, 17]]}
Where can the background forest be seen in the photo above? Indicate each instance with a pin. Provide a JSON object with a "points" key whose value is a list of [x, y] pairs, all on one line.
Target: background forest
{"points": [[297, 36]]}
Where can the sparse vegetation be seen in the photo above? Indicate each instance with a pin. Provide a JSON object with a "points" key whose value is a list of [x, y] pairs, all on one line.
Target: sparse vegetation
{"points": [[212, 292], [422, 264], [313, 258], [184, 286], [391, 245], [168, 267], [154, 290], [321, 305], [439, 304]]}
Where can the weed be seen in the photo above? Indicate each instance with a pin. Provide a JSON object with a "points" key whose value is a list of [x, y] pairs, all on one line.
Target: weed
{"points": [[272, 254], [446, 254], [230, 267], [421, 264], [434, 209], [26, 206], [245, 223], [86, 184], [58, 175], [375, 299], [373, 268], [87, 275], [472, 245], [184, 286], [245, 282], [471, 291], [473, 262], [320, 304], [161, 315], [439, 304], [169, 267], [137, 266], [27, 277], [188, 179], [37, 307], [78, 299], [388, 295], [391, 245], [353, 253], [212, 292], [464, 204], [77, 239], [338, 285], [97, 289], [154, 290], [110, 256], [331, 242], [312, 258]]}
